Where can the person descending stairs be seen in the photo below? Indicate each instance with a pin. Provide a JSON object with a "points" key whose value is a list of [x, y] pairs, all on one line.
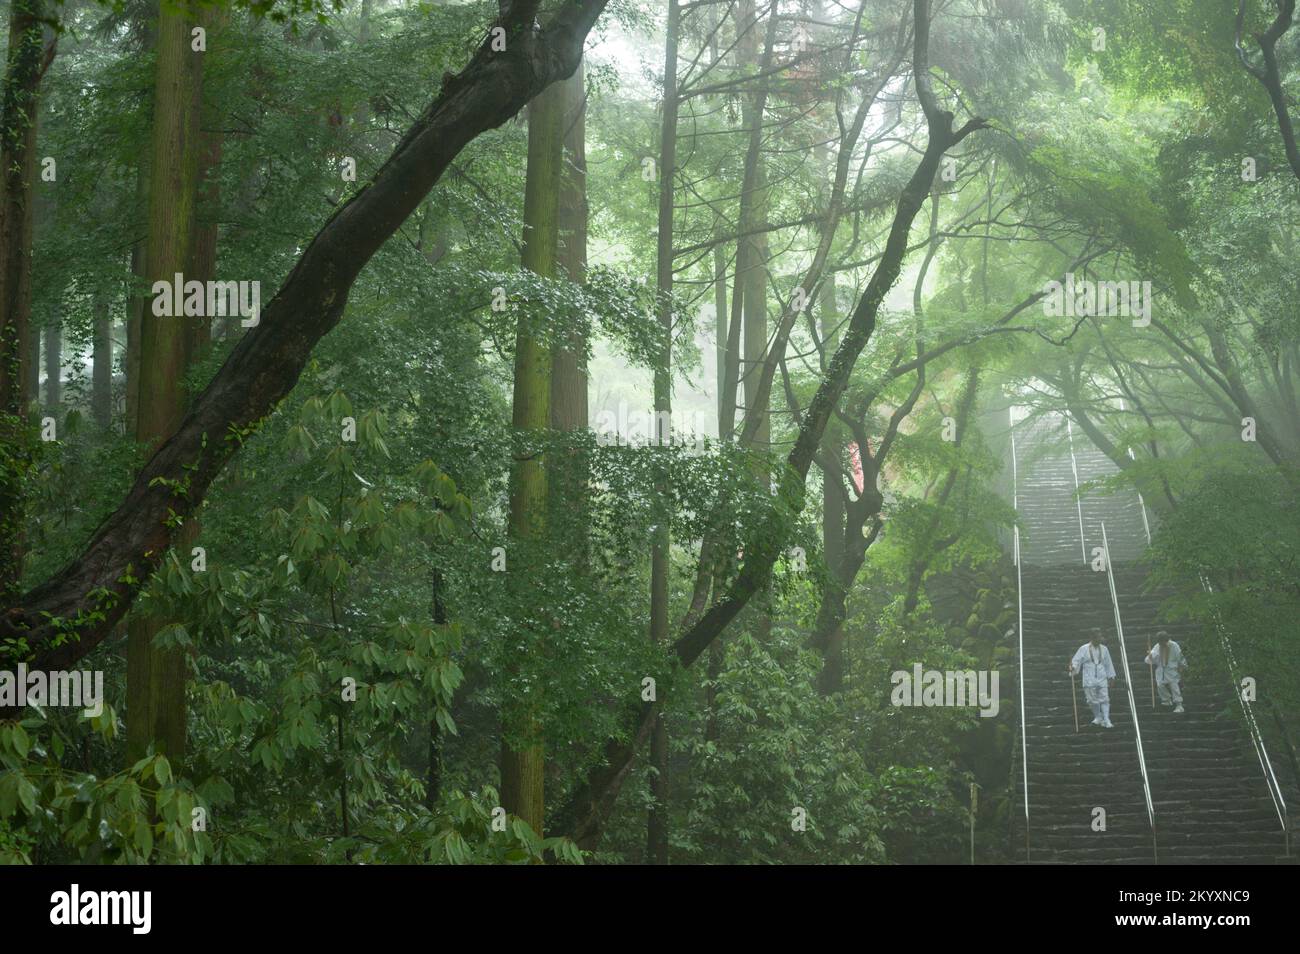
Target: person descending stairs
{"points": [[1097, 671]]}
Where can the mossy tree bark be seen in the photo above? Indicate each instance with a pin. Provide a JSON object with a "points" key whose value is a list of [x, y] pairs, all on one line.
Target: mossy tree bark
{"points": [[156, 677], [523, 752], [28, 57]]}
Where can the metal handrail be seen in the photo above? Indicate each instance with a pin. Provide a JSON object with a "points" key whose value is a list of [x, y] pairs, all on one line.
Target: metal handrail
{"points": [[1078, 501], [1256, 736], [1132, 703], [1020, 669], [1020, 634]]}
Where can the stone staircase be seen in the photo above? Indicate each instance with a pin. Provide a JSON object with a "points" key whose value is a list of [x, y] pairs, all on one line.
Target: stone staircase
{"points": [[1210, 800]]}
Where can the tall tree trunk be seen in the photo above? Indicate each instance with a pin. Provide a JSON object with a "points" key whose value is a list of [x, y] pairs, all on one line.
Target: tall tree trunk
{"points": [[207, 215], [753, 280], [657, 822], [712, 569], [709, 575], [156, 677], [833, 491], [28, 57], [433, 780], [832, 478], [569, 410], [753, 105], [137, 298], [569, 473], [136, 302], [203, 254], [523, 763], [720, 317]]}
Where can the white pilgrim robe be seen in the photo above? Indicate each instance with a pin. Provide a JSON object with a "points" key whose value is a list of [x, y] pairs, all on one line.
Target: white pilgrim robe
{"points": [[1097, 668], [1168, 672]]}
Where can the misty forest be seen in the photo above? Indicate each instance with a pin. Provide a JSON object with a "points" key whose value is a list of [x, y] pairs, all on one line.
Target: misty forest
{"points": [[649, 431]]}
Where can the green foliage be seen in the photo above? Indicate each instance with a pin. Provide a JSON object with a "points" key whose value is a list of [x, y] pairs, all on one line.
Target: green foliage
{"points": [[357, 655], [1248, 553], [50, 813]]}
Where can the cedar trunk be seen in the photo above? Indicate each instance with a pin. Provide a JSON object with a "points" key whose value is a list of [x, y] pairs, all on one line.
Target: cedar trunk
{"points": [[156, 677], [523, 761]]}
